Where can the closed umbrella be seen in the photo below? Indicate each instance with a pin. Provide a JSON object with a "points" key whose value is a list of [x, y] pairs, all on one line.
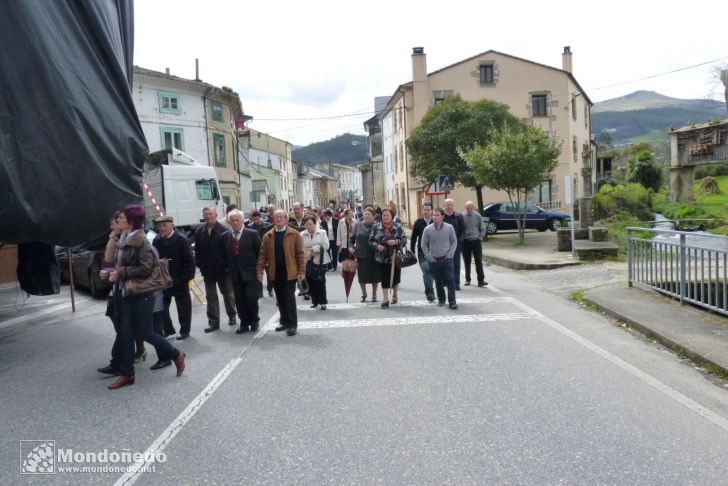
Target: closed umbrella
{"points": [[348, 270]]}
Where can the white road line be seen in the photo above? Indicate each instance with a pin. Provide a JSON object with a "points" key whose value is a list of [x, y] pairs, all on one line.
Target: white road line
{"points": [[684, 400], [411, 321], [195, 405], [403, 303], [34, 315]]}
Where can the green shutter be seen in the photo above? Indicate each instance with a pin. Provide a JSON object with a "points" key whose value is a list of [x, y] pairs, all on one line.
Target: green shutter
{"points": [[217, 114], [218, 145], [169, 103]]}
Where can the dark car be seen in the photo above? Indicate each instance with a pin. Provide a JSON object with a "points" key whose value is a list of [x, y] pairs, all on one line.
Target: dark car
{"points": [[502, 217], [86, 267]]}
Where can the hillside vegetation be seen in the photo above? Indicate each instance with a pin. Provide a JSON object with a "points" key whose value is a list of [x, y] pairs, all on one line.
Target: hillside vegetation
{"points": [[645, 115], [346, 149]]}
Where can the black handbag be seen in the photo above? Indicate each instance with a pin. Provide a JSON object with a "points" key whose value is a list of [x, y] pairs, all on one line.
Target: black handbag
{"points": [[314, 271], [404, 258], [344, 250]]}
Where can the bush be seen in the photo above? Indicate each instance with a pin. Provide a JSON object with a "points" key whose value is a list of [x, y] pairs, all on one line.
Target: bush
{"points": [[644, 170], [632, 199]]}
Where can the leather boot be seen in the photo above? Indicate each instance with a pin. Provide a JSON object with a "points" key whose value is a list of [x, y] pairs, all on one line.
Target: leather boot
{"points": [[121, 382]]}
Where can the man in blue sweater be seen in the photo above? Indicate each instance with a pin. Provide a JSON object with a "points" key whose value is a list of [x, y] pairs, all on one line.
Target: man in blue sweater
{"points": [[439, 245]]}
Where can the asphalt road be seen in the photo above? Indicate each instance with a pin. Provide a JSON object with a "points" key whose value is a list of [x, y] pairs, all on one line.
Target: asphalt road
{"points": [[517, 386]]}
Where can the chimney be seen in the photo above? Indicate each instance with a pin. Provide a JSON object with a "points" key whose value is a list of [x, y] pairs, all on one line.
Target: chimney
{"points": [[566, 60], [724, 78], [197, 69], [166, 71], [420, 86]]}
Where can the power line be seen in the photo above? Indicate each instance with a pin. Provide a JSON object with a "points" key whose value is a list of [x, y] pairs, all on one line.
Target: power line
{"points": [[659, 74]]}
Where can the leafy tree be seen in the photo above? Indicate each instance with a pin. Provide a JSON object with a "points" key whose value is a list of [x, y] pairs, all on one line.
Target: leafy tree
{"points": [[449, 125], [515, 161], [643, 169]]}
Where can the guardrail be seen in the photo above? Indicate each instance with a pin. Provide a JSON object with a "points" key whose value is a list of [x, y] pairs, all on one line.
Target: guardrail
{"points": [[549, 205], [690, 267]]}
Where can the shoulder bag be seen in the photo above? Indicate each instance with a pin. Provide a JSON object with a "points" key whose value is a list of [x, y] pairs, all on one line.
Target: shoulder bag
{"points": [[314, 271], [159, 279]]}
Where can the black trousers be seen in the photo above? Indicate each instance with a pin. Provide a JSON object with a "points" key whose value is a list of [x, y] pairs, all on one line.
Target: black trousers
{"points": [[286, 300], [317, 291], [182, 299], [246, 301], [333, 253], [473, 248]]}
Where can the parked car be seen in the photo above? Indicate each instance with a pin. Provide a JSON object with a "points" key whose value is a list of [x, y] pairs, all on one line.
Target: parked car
{"points": [[86, 267], [502, 217]]}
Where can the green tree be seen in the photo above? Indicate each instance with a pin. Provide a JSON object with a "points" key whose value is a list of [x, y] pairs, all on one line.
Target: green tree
{"points": [[643, 169], [449, 125], [515, 161]]}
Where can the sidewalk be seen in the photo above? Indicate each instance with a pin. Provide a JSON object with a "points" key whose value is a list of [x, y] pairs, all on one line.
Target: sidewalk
{"points": [[696, 334]]}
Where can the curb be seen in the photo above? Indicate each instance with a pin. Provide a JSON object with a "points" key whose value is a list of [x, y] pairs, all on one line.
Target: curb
{"points": [[650, 333], [504, 262]]}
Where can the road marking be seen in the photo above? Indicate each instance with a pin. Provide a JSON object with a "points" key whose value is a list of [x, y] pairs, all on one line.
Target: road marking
{"points": [[684, 400], [403, 303], [411, 321], [195, 405]]}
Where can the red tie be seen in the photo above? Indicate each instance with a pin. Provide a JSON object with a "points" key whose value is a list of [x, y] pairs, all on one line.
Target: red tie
{"points": [[236, 246]]}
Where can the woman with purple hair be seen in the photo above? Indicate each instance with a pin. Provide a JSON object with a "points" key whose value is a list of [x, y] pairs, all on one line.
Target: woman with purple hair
{"points": [[135, 259]]}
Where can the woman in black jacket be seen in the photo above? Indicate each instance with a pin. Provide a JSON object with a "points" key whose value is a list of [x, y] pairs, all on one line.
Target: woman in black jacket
{"points": [[135, 260]]}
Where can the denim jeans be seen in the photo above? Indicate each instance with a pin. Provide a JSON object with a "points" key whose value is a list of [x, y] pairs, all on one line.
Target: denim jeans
{"points": [[456, 263], [427, 277], [443, 272], [135, 316]]}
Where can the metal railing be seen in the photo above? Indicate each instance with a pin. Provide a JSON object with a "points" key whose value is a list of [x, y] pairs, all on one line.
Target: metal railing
{"points": [[549, 205], [688, 266]]}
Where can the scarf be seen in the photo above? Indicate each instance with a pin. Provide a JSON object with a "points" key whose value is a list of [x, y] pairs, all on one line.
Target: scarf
{"points": [[387, 230]]}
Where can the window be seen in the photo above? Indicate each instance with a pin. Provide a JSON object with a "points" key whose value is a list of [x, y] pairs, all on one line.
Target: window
{"points": [[218, 143], [486, 74], [542, 193], [169, 103], [573, 107], [575, 149], [226, 200], [538, 105], [173, 138], [217, 111], [205, 189]]}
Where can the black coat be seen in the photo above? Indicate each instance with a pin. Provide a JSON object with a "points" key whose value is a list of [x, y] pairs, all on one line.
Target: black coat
{"points": [[242, 267], [181, 261], [208, 255], [325, 226], [262, 229]]}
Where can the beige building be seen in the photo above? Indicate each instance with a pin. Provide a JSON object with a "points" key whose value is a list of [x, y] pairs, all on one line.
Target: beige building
{"points": [[223, 108], [271, 160], [544, 96]]}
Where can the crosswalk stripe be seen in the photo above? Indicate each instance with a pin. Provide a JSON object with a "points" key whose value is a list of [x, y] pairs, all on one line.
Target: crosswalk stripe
{"points": [[409, 321], [404, 303]]}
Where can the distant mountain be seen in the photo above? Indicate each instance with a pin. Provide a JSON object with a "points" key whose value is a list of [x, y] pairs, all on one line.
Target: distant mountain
{"points": [[346, 149], [645, 115]]}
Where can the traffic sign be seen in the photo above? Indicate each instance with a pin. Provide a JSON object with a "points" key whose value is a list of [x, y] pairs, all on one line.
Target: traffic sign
{"points": [[432, 190], [444, 183]]}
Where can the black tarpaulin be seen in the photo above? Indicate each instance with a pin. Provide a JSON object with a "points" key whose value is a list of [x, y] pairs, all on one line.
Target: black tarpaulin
{"points": [[71, 146]]}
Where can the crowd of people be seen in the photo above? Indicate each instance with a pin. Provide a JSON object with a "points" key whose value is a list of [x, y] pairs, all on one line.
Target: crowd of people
{"points": [[288, 251]]}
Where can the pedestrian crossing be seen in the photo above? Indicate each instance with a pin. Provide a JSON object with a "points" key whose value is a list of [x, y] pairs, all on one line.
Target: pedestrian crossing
{"points": [[404, 303]]}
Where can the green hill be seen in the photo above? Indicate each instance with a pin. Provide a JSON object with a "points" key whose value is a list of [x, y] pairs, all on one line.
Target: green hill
{"points": [[346, 149], [645, 114]]}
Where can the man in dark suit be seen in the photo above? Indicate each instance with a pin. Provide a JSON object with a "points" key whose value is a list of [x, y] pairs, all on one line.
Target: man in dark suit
{"points": [[212, 264], [242, 247], [175, 246], [261, 227]]}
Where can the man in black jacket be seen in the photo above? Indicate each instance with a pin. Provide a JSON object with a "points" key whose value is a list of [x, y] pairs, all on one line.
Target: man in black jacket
{"points": [[416, 240], [213, 266], [176, 247], [456, 220], [261, 227], [242, 247]]}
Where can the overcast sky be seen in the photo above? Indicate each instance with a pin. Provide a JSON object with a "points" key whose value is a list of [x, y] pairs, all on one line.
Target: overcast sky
{"points": [[298, 60]]}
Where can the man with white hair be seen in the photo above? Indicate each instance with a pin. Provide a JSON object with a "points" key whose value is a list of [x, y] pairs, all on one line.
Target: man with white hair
{"points": [[242, 246], [472, 243]]}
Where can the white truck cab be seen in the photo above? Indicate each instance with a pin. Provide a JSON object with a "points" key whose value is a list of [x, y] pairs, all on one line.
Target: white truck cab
{"points": [[181, 187]]}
